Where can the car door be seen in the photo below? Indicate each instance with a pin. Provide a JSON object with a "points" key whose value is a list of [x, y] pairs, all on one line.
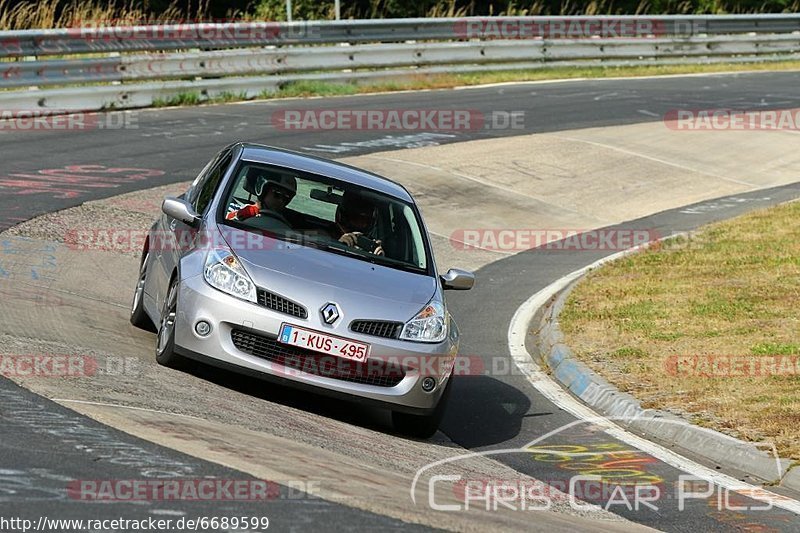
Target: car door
{"points": [[176, 236]]}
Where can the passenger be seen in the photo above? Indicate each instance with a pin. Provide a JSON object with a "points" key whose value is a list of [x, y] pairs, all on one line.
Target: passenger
{"points": [[274, 196]]}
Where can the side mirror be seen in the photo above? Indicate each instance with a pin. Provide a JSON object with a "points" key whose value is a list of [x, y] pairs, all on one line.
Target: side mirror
{"points": [[458, 280], [181, 210]]}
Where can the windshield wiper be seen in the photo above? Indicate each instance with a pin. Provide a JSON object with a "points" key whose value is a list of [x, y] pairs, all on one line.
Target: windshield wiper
{"points": [[375, 259], [344, 251]]}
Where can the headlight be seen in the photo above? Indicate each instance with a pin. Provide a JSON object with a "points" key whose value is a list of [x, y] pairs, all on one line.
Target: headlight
{"points": [[223, 271], [430, 325]]}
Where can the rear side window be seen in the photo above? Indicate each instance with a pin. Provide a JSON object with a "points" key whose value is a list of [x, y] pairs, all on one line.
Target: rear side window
{"points": [[208, 184], [194, 189]]}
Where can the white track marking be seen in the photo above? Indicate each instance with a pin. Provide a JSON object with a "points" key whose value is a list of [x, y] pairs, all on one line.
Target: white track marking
{"points": [[517, 332], [693, 75], [522, 82], [480, 181], [624, 78], [451, 239], [657, 160]]}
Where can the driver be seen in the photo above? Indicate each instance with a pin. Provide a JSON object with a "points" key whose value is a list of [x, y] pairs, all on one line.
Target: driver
{"points": [[355, 223], [274, 195]]}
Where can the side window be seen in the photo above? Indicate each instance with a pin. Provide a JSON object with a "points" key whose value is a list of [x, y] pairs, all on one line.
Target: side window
{"points": [[209, 183], [191, 193]]}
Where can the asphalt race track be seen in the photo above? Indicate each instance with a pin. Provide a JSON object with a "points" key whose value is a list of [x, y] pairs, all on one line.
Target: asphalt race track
{"points": [[180, 141], [493, 413], [45, 446]]}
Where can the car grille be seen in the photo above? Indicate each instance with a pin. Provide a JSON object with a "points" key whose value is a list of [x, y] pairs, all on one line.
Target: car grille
{"points": [[377, 328], [280, 304], [374, 372]]}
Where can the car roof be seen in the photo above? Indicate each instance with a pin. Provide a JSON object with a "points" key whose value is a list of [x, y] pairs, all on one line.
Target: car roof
{"points": [[259, 153]]}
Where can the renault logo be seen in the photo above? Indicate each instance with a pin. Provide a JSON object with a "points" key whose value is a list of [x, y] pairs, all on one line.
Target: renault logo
{"points": [[330, 313]]}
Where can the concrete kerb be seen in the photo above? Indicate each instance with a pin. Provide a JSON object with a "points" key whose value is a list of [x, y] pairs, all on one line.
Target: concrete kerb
{"points": [[552, 353], [792, 478]]}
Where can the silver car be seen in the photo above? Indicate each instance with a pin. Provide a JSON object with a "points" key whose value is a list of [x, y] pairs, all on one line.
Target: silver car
{"points": [[301, 269]]}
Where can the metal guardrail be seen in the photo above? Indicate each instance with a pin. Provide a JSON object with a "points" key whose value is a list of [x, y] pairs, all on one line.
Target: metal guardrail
{"points": [[217, 36], [194, 56], [304, 59]]}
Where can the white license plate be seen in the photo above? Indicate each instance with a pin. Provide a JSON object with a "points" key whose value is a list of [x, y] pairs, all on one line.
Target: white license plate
{"points": [[324, 343]]}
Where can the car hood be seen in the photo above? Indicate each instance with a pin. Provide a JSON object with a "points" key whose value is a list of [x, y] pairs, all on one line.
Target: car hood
{"points": [[314, 277]]}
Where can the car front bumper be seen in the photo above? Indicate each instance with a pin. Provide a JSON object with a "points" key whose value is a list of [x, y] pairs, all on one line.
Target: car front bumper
{"points": [[198, 301]]}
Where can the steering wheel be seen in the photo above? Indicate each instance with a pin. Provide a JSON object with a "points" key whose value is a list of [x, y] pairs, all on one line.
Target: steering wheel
{"points": [[366, 243], [274, 214]]}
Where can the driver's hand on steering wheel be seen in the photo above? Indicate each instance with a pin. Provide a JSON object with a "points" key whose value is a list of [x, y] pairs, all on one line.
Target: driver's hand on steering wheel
{"points": [[350, 239]]}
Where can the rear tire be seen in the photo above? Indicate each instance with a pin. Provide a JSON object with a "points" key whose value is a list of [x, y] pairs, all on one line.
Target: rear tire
{"points": [[422, 426], [139, 317], [165, 342]]}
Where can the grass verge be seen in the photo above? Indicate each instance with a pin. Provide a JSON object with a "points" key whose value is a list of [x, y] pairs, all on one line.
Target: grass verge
{"points": [[706, 326], [446, 81]]}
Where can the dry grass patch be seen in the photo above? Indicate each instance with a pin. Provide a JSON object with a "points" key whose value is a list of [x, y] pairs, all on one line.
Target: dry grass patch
{"points": [[662, 324]]}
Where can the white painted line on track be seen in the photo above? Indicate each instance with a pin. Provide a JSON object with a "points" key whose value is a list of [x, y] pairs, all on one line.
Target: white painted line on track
{"points": [[625, 78], [471, 245], [697, 74], [521, 82], [545, 385], [657, 160], [480, 181]]}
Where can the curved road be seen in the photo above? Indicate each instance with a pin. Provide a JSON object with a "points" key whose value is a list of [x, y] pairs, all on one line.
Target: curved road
{"points": [[497, 412]]}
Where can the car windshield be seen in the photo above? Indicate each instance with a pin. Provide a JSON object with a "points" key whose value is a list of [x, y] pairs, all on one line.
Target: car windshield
{"points": [[327, 214]]}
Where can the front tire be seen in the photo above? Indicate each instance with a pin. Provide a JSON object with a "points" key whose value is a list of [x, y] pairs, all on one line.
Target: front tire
{"points": [[139, 317], [422, 426], [165, 342]]}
